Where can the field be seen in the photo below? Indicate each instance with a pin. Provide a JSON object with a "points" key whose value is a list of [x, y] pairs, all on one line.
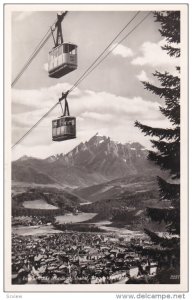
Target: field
{"points": [[70, 218], [38, 204], [33, 230]]}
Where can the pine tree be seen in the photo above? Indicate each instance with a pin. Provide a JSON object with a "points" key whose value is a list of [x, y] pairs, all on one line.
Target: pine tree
{"points": [[166, 141]]}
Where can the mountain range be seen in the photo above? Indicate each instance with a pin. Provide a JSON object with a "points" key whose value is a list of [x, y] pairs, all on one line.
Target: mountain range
{"points": [[96, 161], [114, 180]]}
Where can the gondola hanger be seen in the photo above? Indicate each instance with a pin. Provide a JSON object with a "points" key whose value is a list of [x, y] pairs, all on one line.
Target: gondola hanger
{"points": [[63, 56], [65, 111]]}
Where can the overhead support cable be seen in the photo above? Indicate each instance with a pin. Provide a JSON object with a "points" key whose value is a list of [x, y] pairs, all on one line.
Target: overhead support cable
{"points": [[33, 55], [36, 51], [35, 125], [115, 46], [86, 73], [109, 45]]}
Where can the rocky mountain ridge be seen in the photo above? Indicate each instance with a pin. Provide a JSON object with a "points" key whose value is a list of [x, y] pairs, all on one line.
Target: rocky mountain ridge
{"points": [[96, 161]]}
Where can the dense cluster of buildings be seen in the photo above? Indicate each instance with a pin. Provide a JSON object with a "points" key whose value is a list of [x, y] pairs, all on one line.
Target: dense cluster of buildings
{"points": [[74, 258]]}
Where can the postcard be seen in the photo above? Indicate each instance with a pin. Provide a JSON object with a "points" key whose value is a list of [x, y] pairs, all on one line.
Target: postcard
{"points": [[96, 148]]}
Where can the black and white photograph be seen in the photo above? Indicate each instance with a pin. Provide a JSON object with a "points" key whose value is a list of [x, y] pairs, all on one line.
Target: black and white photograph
{"points": [[96, 148]]}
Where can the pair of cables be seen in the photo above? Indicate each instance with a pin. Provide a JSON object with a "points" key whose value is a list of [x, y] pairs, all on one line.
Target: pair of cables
{"points": [[31, 58], [104, 54], [97, 62], [36, 51]]}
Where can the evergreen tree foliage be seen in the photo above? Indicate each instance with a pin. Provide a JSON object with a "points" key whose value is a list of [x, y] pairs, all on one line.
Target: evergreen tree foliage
{"points": [[166, 141], [170, 30]]}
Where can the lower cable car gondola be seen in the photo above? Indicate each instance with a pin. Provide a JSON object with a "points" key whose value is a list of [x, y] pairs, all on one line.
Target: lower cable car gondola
{"points": [[64, 128], [63, 56]]}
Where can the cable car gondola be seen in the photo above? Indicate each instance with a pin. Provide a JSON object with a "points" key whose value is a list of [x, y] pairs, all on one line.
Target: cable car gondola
{"points": [[64, 128], [63, 56], [62, 60]]}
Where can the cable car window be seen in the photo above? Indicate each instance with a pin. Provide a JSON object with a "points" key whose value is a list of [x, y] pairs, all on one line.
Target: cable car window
{"points": [[54, 124], [71, 47], [62, 129], [51, 57], [59, 50], [72, 51], [66, 48], [55, 52], [58, 123]]}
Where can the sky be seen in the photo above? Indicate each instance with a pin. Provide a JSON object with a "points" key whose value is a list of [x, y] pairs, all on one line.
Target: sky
{"points": [[108, 101]]}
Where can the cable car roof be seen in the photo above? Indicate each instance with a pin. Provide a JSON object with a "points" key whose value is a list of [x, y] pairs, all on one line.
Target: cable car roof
{"points": [[72, 46], [65, 117]]}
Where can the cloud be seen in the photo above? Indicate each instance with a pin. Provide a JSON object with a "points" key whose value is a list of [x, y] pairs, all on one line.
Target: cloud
{"points": [[23, 15], [153, 55], [101, 112], [35, 100], [121, 50], [18, 107], [97, 116], [142, 76], [109, 106]]}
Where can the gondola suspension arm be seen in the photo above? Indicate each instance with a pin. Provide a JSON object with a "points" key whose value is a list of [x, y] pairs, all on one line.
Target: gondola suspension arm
{"points": [[65, 111], [59, 36]]}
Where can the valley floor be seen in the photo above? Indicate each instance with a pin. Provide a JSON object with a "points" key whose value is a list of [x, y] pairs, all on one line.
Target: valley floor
{"points": [[74, 257]]}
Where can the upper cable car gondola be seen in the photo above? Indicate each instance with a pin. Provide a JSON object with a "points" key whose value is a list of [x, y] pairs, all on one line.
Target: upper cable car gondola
{"points": [[63, 56], [64, 128]]}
